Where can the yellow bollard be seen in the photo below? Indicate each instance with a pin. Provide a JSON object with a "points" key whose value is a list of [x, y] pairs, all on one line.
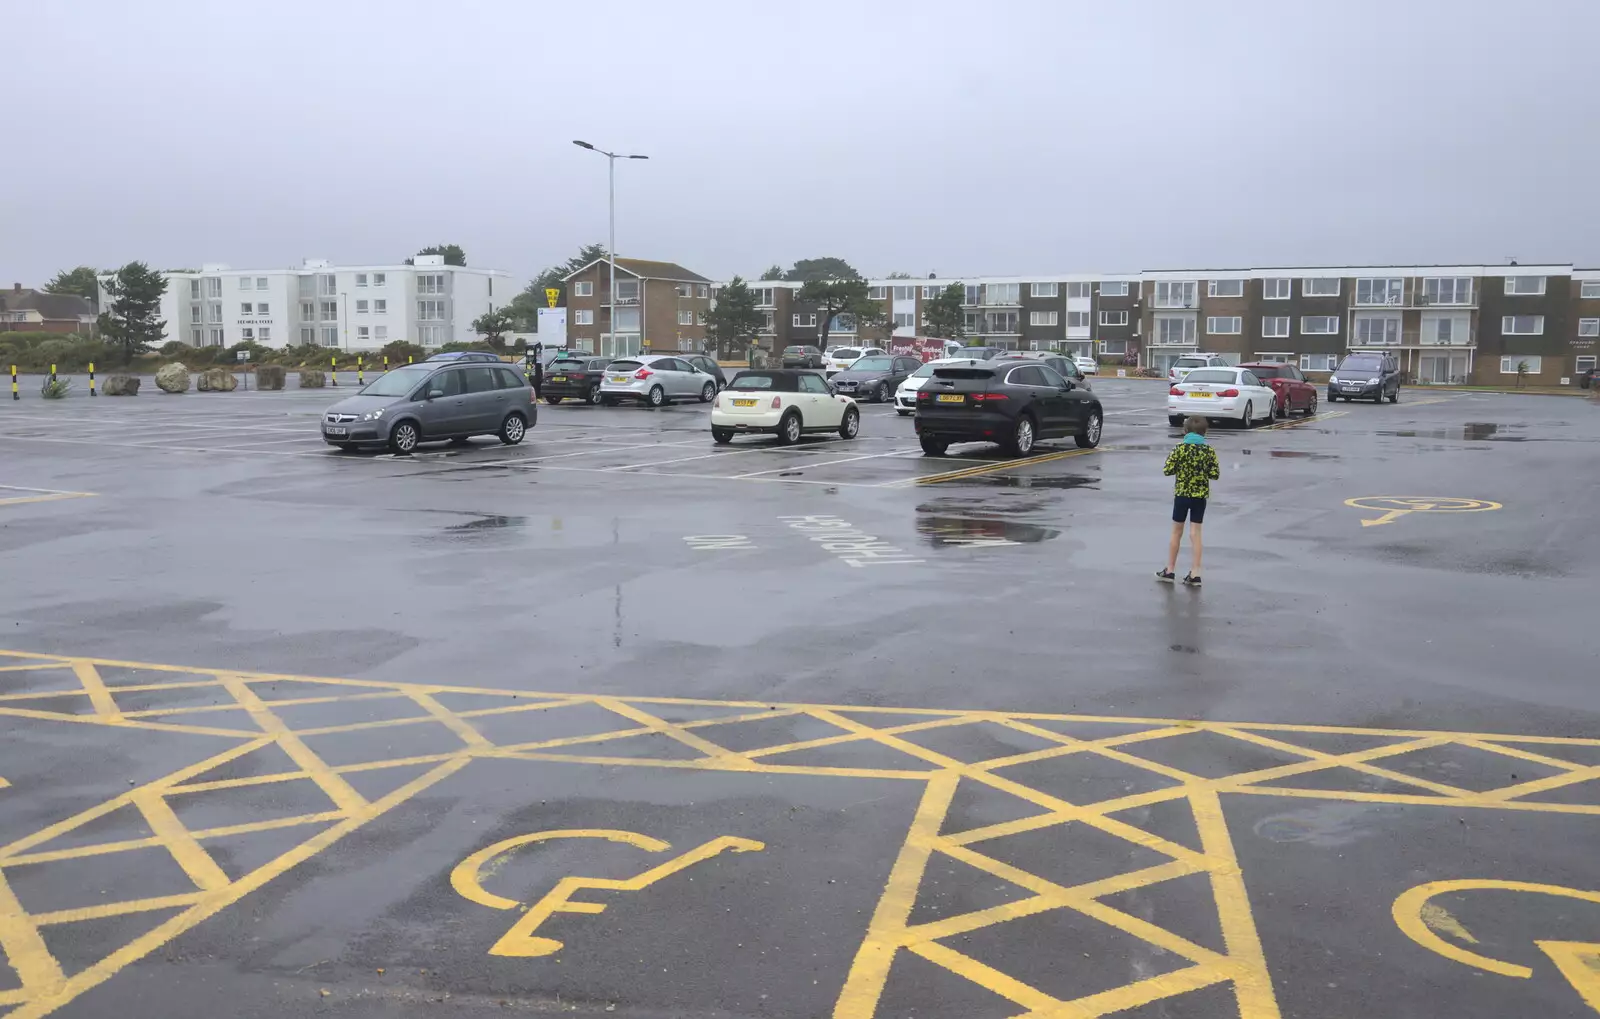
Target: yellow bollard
{"points": [[386, 364], [361, 375], [91, 379], [52, 373], [14, 394], [333, 370], [408, 359]]}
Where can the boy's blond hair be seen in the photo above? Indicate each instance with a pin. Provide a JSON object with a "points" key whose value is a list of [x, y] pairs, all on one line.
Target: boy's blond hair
{"points": [[1195, 424]]}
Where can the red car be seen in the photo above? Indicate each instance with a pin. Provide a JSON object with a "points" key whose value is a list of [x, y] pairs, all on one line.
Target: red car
{"points": [[1294, 392]]}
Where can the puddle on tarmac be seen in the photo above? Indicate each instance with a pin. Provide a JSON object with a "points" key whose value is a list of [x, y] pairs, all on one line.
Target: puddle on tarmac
{"points": [[969, 532], [485, 529], [1027, 481], [1297, 454], [1473, 431]]}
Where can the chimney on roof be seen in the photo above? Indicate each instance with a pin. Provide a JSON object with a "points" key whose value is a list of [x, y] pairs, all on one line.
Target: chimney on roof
{"points": [[16, 288]]}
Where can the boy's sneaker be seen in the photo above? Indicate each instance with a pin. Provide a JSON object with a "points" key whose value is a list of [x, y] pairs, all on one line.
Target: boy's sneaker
{"points": [[1191, 580], [1166, 575]]}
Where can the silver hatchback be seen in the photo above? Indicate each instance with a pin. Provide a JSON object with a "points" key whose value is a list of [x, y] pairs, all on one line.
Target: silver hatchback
{"points": [[655, 380], [431, 401]]}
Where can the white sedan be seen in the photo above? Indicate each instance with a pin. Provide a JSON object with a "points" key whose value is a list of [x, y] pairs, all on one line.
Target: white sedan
{"points": [[1213, 393], [786, 402], [837, 359], [905, 398]]}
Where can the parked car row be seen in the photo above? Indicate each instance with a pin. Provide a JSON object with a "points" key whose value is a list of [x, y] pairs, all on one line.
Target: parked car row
{"points": [[1208, 386]]}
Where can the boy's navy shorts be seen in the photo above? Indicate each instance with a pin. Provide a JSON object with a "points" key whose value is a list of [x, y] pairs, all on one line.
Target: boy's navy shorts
{"points": [[1188, 506]]}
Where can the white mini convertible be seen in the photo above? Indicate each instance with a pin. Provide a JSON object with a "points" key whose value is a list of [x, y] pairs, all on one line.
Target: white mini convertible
{"points": [[786, 402]]}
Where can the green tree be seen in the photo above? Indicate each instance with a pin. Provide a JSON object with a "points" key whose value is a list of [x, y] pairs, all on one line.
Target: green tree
{"points": [[453, 254], [734, 322], [525, 306], [131, 322], [899, 275], [774, 272], [942, 315], [1522, 373], [83, 280], [838, 297], [494, 325], [809, 270]]}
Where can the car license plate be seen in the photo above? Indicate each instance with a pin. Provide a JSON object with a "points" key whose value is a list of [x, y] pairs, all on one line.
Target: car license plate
{"points": [[558, 378], [619, 379], [337, 431], [744, 403], [950, 398], [1352, 389], [1205, 395]]}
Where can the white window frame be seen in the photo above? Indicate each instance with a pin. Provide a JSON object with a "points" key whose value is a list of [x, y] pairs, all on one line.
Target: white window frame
{"points": [[1113, 318], [1457, 299], [685, 317], [1508, 363], [195, 336], [1160, 331], [1288, 327], [380, 333], [804, 320], [1514, 285], [1279, 288], [1044, 290], [1213, 291], [380, 306], [1306, 320], [330, 336], [905, 320], [213, 286], [194, 292], [328, 311], [247, 335], [261, 283], [1174, 294], [431, 310], [217, 337], [308, 336], [1119, 288], [246, 308], [247, 282], [765, 297], [380, 279], [1393, 291], [1307, 282], [877, 293], [262, 309], [1589, 327], [1050, 318], [1589, 290], [1277, 356], [1234, 327], [361, 279], [1117, 347], [583, 316], [1002, 295], [1358, 340], [1080, 291], [702, 290], [264, 334], [1331, 361], [1585, 363], [361, 307], [363, 332], [1507, 322], [327, 284], [308, 311]]}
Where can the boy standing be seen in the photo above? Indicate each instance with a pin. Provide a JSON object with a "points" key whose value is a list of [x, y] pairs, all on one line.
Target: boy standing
{"points": [[1195, 465]]}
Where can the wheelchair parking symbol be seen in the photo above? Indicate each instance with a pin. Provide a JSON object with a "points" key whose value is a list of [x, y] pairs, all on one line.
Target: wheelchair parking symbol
{"points": [[520, 940], [1392, 507]]}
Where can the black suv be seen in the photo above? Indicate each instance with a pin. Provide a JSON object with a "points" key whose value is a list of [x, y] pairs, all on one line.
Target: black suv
{"points": [[574, 376], [1364, 375], [1013, 403]]}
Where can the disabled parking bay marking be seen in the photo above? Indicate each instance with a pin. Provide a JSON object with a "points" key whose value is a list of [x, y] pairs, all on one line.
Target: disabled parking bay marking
{"points": [[1392, 507], [937, 755]]}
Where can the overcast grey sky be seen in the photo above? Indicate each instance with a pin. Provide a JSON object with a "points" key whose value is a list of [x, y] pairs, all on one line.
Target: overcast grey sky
{"points": [[994, 138]]}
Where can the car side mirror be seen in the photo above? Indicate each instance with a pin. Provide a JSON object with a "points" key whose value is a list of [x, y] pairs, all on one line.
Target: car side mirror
{"points": [[1068, 385], [434, 394]]}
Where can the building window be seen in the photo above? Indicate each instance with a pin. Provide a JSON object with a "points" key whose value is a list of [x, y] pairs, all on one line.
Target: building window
{"points": [[216, 337], [1224, 325], [431, 336], [1319, 286], [1380, 291], [265, 334], [330, 336], [430, 284], [877, 293], [1276, 290], [262, 310], [361, 307], [1444, 331], [1078, 291], [905, 293], [1113, 318], [1002, 293], [194, 313], [905, 320], [1174, 294], [329, 311], [1276, 357], [627, 290], [1376, 331], [261, 283], [1117, 347], [1584, 363], [683, 289], [214, 312], [308, 311], [1522, 325], [379, 279], [1447, 290], [1274, 326], [247, 334], [1077, 320], [362, 332], [328, 285], [380, 333], [430, 311], [1589, 290], [361, 279], [1318, 362], [247, 283], [843, 324], [686, 318], [1315, 325], [194, 292], [380, 306], [1224, 288], [1589, 327], [213, 286], [1115, 288], [1174, 330], [764, 296], [929, 293], [194, 337], [583, 317], [1044, 290], [1508, 365], [702, 290], [308, 336], [806, 321], [1524, 286], [246, 308], [1048, 318]]}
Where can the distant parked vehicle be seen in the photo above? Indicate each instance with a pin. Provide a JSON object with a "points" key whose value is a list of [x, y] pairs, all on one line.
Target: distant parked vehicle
{"points": [[465, 355], [574, 377], [1011, 402], [655, 380], [839, 359], [801, 356], [876, 377], [1225, 392], [1087, 365], [1189, 362], [1365, 375], [1294, 392], [434, 400], [786, 402], [709, 365]]}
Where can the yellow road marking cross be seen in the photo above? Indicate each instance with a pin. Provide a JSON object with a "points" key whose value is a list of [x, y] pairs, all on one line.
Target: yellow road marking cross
{"points": [[1392, 507], [469, 723]]}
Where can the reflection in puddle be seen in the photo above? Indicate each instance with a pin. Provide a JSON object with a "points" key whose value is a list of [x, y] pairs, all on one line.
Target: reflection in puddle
{"points": [[1475, 431], [971, 532], [480, 529], [1028, 481], [1301, 455]]}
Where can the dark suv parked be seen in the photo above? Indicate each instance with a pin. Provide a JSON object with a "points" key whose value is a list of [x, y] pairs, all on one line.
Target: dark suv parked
{"points": [[574, 377], [1365, 376], [1007, 402]]}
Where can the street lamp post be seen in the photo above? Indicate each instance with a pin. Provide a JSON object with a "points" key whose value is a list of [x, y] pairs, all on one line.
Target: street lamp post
{"points": [[611, 242]]}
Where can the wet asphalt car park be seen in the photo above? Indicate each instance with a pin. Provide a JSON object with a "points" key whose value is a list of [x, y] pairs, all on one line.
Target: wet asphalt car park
{"points": [[619, 722]]}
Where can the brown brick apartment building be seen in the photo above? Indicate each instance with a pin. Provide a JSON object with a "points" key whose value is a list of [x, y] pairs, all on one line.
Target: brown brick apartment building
{"points": [[660, 306], [1443, 323]]}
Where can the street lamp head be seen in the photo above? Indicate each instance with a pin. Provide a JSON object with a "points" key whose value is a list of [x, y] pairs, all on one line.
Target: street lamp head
{"points": [[638, 157], [582, 145]]}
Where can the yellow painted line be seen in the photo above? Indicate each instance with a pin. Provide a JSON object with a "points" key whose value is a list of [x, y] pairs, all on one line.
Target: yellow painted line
{"points": [[342, 793], [1407, 912], [1302, 422], [99, 696], [40, 495], [999, 465], [115, 909], [185, 849]]}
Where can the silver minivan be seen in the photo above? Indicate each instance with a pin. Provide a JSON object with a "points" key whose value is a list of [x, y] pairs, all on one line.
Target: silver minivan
{"points": [[655, 380], [430, 401]]}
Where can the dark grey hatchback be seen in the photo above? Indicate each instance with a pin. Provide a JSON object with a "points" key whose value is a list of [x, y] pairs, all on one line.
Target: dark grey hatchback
{"points": [[430, 401]]}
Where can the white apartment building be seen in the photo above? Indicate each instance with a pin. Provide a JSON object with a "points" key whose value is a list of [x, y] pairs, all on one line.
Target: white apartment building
{"points": [[358, 307]]}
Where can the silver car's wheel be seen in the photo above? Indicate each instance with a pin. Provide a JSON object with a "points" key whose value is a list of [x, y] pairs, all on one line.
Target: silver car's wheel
{"points": [[850, 425], [658, 396], [403, 438], [1249, 416], [1091, 431], [708, 392], [594, 396], [1022, 438], [789, 429]]}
